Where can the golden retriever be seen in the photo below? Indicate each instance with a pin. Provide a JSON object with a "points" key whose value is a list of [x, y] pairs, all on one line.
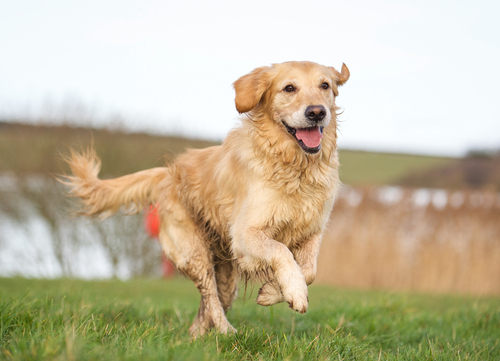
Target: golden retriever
{"points": [[256, 205]]}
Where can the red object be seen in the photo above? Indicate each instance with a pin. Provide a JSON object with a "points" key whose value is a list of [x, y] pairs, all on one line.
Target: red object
{"points": [[167, 267], [152, 223]]}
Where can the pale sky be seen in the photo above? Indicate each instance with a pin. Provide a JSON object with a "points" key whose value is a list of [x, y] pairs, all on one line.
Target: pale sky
{"points": [[424, 74]]}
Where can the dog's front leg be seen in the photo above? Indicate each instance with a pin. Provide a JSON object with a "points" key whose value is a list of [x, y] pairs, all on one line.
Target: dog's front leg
{"points": [[306, 256], [256, 251]]}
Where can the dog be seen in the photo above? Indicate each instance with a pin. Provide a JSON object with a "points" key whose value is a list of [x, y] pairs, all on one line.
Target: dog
{"points": [[255, 206]]}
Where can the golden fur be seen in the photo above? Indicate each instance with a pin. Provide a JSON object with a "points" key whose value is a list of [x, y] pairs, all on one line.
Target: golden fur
{"points": [[257, 204]]}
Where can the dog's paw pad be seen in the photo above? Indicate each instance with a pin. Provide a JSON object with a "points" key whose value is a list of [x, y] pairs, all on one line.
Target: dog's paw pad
{"points": [[269, 295]]}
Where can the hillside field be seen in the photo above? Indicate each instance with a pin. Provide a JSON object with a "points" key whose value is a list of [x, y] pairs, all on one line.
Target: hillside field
{"points": [[38, 149]]}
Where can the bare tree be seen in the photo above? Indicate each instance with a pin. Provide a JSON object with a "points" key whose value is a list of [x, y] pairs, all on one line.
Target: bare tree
{"points": [[32, 203]]}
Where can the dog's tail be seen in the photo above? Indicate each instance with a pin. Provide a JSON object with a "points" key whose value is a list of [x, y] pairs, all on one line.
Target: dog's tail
{"points": [[130, 193]]}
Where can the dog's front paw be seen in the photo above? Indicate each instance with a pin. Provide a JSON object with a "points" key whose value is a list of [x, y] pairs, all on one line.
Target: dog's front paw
{"points": [[269, 294], [296, 296]]}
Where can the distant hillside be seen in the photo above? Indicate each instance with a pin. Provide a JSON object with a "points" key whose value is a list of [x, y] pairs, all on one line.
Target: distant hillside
{"points": [[26, 149], [363, 168], [38, 149], [475, 172]]}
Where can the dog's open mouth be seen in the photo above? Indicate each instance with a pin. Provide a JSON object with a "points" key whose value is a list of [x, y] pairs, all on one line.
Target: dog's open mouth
{"points": [[309, 139]]}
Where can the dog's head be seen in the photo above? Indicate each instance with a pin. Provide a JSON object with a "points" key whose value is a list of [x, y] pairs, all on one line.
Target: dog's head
{"points": [[298, 96]]}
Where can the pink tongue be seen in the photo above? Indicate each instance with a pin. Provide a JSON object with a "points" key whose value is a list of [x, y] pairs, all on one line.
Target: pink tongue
{"points": [[311, 137]]}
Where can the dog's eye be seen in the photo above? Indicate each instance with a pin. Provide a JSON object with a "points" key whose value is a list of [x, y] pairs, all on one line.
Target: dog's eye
{"points": [[325, 86], [289, 88]]}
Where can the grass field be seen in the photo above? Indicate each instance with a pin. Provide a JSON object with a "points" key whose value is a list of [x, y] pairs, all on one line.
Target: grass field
{"points": [[149, 319]]}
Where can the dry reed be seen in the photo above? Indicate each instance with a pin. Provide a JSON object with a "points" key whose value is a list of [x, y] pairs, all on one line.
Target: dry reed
{"points": [[413, 239]]}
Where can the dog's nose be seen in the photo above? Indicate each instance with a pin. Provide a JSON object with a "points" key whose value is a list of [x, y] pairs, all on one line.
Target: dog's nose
{"points": [[316, 113]]}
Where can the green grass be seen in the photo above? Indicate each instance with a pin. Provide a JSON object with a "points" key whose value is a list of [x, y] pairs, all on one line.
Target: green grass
{"points": [[149, 319]]}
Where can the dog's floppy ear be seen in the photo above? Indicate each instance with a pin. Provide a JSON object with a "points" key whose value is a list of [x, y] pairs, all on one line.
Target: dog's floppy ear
{"points": [[250, 88], [343, 76]]}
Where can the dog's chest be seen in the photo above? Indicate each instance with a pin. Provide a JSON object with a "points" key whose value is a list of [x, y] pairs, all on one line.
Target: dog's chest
{"points": [[293, 218]]}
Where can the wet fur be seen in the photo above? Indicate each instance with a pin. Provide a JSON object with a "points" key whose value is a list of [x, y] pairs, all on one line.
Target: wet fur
{"points": [[256, 205]]}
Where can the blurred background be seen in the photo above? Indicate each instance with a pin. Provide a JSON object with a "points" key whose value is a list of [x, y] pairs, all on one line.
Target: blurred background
{"points": [[144, 80]]}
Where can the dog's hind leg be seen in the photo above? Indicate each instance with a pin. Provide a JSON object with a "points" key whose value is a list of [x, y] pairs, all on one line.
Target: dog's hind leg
{"points": [[194, 259], [211, 314], [226, 275]]}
